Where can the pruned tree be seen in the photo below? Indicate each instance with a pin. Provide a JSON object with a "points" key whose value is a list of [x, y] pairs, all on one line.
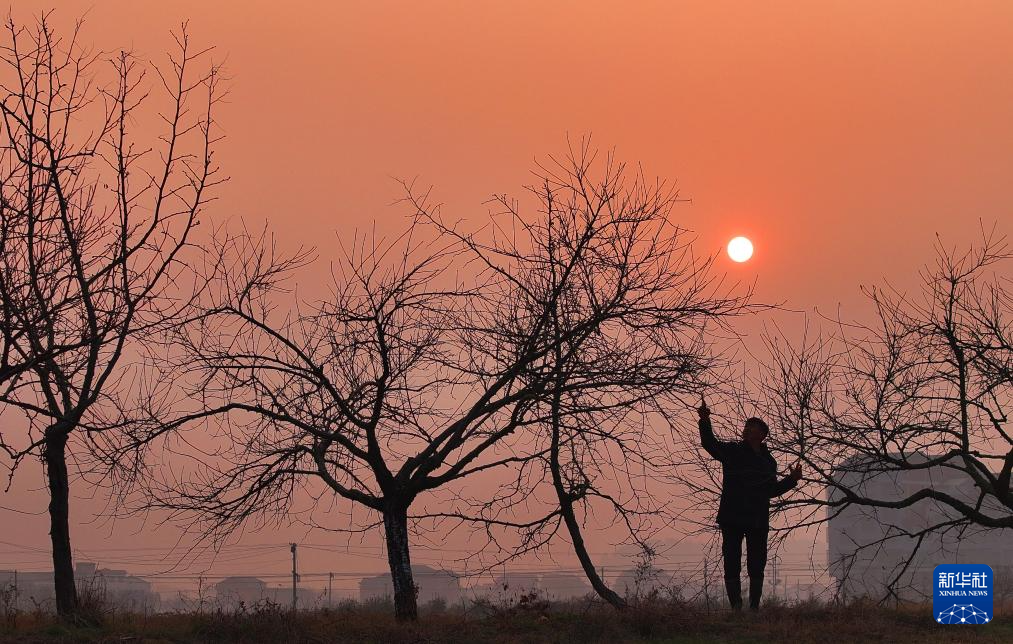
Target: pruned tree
{"points": [[408, 379], [362, 393], [926, 388], [95, 226], [632, 319]]}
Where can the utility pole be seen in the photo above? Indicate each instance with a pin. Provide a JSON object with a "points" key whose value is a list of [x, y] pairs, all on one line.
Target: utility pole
{"points": [[330, 579], [295, 577], [776, 580], [706, 585]]}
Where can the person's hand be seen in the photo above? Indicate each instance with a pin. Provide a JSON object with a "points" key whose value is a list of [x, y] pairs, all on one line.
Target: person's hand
{"points": [[703, 409], [795, 473]]}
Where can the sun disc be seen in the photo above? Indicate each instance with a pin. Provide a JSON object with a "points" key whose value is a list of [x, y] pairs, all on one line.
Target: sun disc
{"points": [[740, 249]]}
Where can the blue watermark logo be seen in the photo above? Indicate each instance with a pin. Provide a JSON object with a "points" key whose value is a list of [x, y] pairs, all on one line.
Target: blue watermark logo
{"points": [[962, 594]]}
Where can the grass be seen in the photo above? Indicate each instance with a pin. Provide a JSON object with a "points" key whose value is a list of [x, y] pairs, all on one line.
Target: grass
{"points": [[535, 621]]}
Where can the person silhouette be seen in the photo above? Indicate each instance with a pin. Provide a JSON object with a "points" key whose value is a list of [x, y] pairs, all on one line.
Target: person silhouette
{"points": [[749, 481]]}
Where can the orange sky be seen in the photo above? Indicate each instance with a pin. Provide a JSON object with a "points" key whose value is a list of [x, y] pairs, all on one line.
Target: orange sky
{"points": [[838, 136], [834, 134]]}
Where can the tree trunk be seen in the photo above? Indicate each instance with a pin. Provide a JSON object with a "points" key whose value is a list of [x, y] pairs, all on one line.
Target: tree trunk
{"points": [[55, 458], [395, 524], [566, 499], [579, 548]]}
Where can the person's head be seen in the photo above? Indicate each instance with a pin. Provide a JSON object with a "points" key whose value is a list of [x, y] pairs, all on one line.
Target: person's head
{"points": [[755, 432]]}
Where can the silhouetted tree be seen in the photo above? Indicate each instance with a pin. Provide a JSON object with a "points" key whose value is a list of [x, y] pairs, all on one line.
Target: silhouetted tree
{"points": [[927, 386], [94, 226], [364, 391], [631, 315], [409, 377]]}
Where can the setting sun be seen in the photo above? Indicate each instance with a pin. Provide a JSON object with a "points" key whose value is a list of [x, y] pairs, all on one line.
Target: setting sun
{"points": [[740, 249]]}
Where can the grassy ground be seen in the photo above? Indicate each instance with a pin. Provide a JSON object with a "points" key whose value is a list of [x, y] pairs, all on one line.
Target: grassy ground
{"points": [[582, 623]]}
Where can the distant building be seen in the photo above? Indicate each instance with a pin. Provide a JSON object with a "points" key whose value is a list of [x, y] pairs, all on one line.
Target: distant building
{"points": [[306, 598], [508, 587], [550, 585], [520, 582], [868, 547], [233, 591], [115, 587], [121, 589], [32, 589], [431, 583], [562, 586]]}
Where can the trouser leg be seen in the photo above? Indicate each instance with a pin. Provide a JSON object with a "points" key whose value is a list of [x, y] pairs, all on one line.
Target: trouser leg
{"points": [[731, 551], [756, 562]]}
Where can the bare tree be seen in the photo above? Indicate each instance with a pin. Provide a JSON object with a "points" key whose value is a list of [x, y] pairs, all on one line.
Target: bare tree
{"points": [[355, 392], [408, 378], [632, 318], [927, 388], [94, 228]]}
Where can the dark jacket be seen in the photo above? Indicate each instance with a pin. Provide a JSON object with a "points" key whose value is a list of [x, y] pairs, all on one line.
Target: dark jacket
{"points": [[749, 479]]}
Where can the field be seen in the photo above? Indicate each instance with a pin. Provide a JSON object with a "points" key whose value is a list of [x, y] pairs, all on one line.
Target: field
{"points": [[539, 622]]}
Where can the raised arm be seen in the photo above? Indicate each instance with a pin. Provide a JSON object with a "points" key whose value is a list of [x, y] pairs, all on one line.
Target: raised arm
{"points": [[713, 446]]}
